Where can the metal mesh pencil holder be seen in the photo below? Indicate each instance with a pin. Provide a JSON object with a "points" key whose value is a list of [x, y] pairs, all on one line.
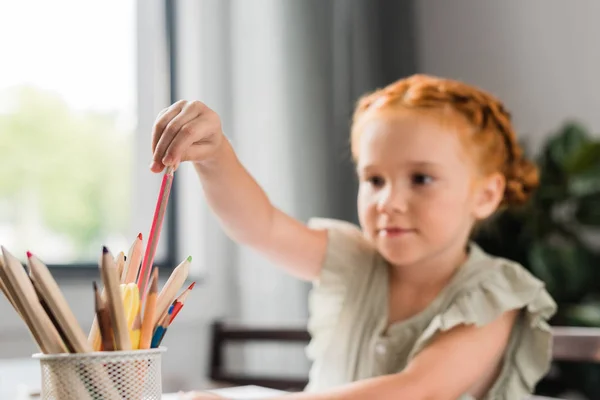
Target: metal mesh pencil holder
{"points": [[109, 375]]}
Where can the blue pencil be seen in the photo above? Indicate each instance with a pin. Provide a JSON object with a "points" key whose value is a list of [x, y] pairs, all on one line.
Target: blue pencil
{"points": [[161, 329]]}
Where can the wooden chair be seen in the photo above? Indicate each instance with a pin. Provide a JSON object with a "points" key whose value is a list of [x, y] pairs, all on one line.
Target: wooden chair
{"points": [[570, 344], [223, 334], [576, 344]]}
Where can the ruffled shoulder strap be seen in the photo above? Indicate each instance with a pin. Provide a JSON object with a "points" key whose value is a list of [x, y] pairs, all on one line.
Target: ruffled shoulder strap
{"points": [[348, 256], [347, 250], [498, 286]]}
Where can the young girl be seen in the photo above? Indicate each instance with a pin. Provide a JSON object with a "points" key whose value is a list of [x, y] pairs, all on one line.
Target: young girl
{"points": [[406, 306]]}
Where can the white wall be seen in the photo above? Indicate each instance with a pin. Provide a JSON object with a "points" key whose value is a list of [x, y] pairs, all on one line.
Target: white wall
{"points": [[541, 57]]}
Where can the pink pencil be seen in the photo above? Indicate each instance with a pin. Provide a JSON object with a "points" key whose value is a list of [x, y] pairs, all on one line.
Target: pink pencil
{"points": [[159, 214]]}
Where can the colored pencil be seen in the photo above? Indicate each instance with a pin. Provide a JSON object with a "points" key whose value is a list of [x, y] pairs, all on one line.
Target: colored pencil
{"points": [[134, 259], [161, 329], [6, 291], [169, 291], [180, 301], [149, 312], [131, 303], [120, 263], [105, 326], [43, 330], [51, 294], [159, 213], [115, 301]]}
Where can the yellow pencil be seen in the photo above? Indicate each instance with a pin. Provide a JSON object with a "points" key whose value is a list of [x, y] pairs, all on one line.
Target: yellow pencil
{"points": [[131, 303]]}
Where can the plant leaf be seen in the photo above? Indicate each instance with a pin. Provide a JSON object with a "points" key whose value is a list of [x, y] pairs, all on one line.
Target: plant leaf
{"points": [[585, 184], [587, 157], [588, 210], [567, 269], [568, 142], [586, 313]]}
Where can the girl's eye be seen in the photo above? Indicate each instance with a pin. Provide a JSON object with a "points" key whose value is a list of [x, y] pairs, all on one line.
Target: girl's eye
{"points": [[422, 179], [376, 181]]}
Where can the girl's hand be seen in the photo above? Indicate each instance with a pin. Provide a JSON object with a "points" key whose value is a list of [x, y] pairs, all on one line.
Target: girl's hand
{"points": [[199, 396], [185, 131]]}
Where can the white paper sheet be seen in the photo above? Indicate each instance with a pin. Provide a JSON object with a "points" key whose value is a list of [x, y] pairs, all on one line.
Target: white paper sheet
{"points": [[239, 392]]}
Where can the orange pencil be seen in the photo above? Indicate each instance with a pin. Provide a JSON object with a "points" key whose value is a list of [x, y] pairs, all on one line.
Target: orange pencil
{"points": [[149, 312]]}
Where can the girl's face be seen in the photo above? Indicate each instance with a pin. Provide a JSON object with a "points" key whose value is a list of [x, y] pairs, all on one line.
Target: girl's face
{"points": [[420, 190]]}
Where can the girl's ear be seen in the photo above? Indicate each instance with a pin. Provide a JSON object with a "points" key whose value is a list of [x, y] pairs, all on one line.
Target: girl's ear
{"points": [[488, 196]]}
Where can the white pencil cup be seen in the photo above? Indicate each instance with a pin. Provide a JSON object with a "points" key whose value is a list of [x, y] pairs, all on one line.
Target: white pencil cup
{"points": [[108, 375]]}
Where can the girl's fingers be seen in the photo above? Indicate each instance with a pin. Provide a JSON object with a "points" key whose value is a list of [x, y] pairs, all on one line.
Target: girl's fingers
{"points": [[172, 129], [193, 132], [163, 118]]}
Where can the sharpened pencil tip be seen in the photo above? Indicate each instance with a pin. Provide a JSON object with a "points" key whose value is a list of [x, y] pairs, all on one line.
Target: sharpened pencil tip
{"points": [[140, 236], [95, 285], [192, 285], [104, 249], [29, 255], [189, 259]]}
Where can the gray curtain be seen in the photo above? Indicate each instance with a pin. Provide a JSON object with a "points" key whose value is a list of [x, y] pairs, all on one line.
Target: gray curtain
{"points": [[284, 76]]}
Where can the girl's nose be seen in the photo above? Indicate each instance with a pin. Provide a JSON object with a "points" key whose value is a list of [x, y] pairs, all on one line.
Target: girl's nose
{"points": [[392, 200]]}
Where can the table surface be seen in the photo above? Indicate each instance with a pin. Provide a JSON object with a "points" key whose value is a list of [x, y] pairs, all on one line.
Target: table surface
{"points": [[17, 381], [256, 392]]}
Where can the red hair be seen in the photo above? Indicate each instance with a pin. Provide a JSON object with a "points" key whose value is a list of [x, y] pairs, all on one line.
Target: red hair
{"points": [[492, 135]]}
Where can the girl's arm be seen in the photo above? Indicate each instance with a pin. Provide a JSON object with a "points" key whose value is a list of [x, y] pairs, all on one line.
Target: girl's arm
{"points": [[190, 131], [248, 216], [462, 360]]}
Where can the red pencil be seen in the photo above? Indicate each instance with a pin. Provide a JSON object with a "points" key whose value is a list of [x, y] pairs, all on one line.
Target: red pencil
{"points": [[180, 301], [159, 214]]}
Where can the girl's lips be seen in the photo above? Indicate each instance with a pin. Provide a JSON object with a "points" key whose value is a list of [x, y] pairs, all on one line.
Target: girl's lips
{"points": [[394, 232]]}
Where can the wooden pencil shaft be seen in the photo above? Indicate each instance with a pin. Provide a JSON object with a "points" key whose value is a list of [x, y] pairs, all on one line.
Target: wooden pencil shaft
{"points": [[120, 262], [57, 325], [149, 312], [106, 331], [171, 288], [31, 306], [94, 339], [21, 310], [7, 292], [134, 259], [115, 302], [51, 294], [50, 313], [103, 319]]}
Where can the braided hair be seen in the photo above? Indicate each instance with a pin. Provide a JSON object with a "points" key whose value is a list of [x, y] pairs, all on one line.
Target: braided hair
{"points": [[492, 135]]}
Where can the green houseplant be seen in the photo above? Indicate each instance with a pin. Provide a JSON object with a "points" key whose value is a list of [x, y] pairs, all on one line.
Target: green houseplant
{"points": [[556, 235]]}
